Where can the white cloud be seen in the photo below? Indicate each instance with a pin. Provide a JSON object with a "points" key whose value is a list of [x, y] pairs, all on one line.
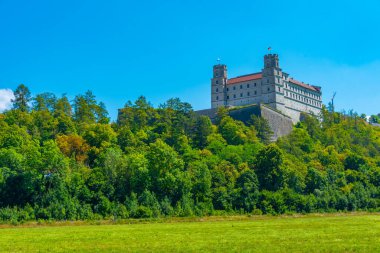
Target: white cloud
{"points": [[6, 95]]}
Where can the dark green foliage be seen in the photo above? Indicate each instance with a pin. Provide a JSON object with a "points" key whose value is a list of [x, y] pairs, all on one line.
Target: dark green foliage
{"points": [[22, 98], [247, 191], [202, 129], [262, 127], [269, 168], [67, 162], [314, 180]]}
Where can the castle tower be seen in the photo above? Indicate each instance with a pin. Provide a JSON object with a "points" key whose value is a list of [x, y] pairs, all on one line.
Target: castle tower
{"points": [[272, 88], [218, 86]]}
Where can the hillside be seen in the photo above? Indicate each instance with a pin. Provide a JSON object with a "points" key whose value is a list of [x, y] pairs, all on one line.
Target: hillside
{"points": [[66, 161]]}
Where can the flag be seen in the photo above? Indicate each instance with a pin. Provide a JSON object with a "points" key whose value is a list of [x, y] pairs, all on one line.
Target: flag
{"points": [[269, 48]]}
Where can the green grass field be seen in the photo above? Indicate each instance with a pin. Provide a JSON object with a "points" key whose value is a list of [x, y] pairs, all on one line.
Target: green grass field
{"points": [[311, 233]]}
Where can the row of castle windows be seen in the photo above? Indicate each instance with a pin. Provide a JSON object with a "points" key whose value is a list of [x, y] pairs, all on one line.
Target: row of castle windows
{"points": [[292, 88], [303, 99], [241, 86], [241, 95], [234, 87]]}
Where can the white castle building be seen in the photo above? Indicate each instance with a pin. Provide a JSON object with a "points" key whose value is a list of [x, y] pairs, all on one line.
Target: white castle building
{"points": [[271, 86]]}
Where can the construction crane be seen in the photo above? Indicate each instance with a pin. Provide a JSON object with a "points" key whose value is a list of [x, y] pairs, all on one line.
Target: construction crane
{"points": [[332, 101]]}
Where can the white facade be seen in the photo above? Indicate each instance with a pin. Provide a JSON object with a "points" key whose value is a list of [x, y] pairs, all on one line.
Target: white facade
{"points": [[271, 86]]}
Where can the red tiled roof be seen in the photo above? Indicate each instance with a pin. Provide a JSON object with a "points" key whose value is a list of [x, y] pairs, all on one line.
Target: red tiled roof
{"points": [[259, 75], [244, 78], [307, 86]]}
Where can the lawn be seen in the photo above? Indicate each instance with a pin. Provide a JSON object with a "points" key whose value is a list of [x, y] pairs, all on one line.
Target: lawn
{"points": [[310, 233]]}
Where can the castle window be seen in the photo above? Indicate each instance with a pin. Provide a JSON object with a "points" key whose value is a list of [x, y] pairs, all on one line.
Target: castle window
{"points": [[217, 98], [248, 85], [234, 87], [241, 95], [279, 89], [228, 97], [254, 84], [228, 89], [268, 89], [217, 90], [247, 93], [255, 92], [241, 86], [216, 82], [234, 95], [267, 80]]}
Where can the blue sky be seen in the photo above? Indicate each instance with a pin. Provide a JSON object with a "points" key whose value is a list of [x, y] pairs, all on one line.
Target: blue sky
{"points": [[164, 49]]}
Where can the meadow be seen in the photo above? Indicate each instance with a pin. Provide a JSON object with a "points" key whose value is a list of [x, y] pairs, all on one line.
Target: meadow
{"points": [[355, 232]]}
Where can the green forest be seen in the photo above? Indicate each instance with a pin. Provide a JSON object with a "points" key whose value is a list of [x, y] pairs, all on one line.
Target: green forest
{"points": [[65, 160]]}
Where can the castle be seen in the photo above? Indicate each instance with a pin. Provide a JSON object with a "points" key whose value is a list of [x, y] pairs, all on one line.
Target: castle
{"points": [[271, 87]]}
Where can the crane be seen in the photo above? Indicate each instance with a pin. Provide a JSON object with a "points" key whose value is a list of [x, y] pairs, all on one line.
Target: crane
{"points": [[332, 101]]}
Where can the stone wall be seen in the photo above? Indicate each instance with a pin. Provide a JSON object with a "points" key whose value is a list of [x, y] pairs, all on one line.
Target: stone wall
{"points": [[280, 124]]}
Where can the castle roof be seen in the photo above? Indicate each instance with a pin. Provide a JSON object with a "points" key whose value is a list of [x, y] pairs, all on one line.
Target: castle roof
{"points": [[304, 85], [245, 78], [259, 75]]}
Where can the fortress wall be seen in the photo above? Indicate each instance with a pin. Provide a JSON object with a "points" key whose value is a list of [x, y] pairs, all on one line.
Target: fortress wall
{"points": [[279, 123]]}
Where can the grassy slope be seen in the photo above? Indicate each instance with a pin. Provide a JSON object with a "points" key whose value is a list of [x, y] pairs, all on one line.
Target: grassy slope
{"points": [[345, 233]]}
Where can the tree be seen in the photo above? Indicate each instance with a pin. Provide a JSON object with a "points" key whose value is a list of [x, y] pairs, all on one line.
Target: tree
{"points": [[354, 161], [264, 132], [235, 132], [101, 113], [314, 180], [202, 129], [73, 146], [177, 105], [224, 176], [84, 108], [269, 168], [200, 181], [374, 119], [44, 102], [166, 168], [22, 98], [248, 190], [87, 110], [63, 107], [63, 114], [312, 125], [170, 161]]}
